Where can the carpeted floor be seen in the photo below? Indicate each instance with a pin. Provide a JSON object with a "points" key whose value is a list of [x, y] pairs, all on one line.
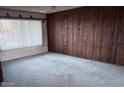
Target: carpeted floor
{"points": [[57, 70]]}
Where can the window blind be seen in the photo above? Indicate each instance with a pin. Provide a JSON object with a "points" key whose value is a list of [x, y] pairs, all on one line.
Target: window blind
{"points": [[16, 34]]}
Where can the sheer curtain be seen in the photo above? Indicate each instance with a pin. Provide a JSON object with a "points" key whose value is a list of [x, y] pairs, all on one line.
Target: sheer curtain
{"points": [[16, 34]]}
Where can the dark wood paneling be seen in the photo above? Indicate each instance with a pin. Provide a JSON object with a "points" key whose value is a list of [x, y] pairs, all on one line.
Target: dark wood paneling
{"points": [[88, 32], [1, 74], [97, 35], [120, 37], [107, 33]]}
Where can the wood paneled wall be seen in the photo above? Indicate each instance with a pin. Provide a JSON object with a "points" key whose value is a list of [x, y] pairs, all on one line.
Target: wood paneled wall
{"points": [[1, 74], [89, 32]]}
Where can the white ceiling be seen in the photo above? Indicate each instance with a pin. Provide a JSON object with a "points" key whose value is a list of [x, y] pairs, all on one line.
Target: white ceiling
{"points": [[41, 9]]}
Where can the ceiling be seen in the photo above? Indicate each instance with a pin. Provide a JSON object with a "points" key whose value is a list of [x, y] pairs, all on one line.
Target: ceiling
{"points": [[41, 9]]}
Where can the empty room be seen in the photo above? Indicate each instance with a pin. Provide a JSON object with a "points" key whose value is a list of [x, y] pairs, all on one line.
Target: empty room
{"points": [[61, 46]]}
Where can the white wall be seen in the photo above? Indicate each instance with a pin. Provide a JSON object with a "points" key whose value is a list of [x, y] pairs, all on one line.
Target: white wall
{"points": [[18, 53]]}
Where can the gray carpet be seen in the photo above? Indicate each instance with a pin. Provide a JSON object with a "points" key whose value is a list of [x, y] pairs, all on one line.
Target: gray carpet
{"points": [[57, 70]]}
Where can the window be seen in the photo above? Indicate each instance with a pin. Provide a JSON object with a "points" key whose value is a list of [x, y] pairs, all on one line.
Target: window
{"points": [[20, 33]]}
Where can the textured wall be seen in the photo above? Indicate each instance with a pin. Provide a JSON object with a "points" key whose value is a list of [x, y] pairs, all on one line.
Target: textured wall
{"points": [[89, 32]]}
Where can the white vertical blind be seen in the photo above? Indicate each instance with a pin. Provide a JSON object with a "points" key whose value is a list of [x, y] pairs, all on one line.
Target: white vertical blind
{"points": [[20, 33]]}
